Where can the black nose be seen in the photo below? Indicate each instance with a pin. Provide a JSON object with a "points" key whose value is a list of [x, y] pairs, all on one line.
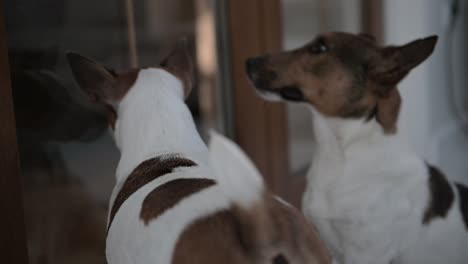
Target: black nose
{"points": [[254, 64]]}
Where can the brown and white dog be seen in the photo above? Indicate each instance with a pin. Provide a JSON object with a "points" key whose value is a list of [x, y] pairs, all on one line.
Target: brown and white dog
{"points": [[175, 200], [372, 199]]}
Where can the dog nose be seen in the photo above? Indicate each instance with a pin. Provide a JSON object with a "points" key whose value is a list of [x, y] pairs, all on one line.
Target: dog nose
{"points": [[253, 64]]}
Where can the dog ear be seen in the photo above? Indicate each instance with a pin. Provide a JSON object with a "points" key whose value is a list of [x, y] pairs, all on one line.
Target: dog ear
{"points": [[388, 109], [179, 63], [396, 62], [367, 36], [96, 80]]}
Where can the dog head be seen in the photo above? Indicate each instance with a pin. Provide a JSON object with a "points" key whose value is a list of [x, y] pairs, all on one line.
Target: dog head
{"points": [[341, 75], [107, 87]]}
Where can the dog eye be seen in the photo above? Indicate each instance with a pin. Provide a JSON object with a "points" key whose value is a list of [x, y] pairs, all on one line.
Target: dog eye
{"points": [[318, 47]]}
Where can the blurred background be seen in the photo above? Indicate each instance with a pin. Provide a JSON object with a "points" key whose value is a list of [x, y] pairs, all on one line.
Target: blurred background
{"points": [[68, 157]]}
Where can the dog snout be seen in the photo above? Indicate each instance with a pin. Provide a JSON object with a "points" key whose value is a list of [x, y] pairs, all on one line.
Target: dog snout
{"points": [[259, 73], [254, 64]]}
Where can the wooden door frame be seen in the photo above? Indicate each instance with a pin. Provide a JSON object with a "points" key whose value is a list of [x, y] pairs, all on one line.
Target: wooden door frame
{"points": [[372, 18], [254, 27], [13, 234]]}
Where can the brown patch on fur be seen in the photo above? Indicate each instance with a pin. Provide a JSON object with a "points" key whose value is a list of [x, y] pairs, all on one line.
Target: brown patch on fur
{"points": [[333, 81], [293, 237], [368, 37], [342, 75], [123, 82], [169, 194], [212, 240], [179, 63], [258, 235], [111, 115], [388, 109], [103, 86], [145, 173], [442, 195], [280, 259], [463, 194]]}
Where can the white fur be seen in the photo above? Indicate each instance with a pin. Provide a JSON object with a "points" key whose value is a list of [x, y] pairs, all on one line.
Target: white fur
{"points": [[236, 174], [153, 121], [130, 241], [367, 193], [274, 97]]}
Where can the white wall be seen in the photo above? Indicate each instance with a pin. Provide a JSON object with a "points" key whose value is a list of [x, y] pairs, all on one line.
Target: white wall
{"points": [[428, 120]]}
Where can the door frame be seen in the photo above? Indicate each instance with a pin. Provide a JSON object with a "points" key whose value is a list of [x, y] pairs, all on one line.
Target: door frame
{"points": [[255, 27], [12, 227], [372, 18]]}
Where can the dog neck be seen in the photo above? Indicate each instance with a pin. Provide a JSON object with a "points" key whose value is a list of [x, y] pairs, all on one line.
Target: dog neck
{"points": [[154, 120], [340, 133], [340, 145], [337, 140]]}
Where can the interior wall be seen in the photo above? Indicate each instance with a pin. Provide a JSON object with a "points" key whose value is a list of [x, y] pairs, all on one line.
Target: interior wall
{"points": [[433, 96]]}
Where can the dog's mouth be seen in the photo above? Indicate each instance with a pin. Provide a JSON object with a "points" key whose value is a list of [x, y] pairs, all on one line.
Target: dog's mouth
{"points": [[290, 93], [262, 78]]}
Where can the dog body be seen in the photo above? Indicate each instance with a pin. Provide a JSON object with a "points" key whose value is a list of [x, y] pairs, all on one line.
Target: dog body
{"points": [[372, 199], [175, 200], [368, 195], [167, 136]]}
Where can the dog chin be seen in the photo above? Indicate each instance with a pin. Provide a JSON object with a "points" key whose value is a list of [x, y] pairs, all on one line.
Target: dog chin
{"points": [[270, 96]]}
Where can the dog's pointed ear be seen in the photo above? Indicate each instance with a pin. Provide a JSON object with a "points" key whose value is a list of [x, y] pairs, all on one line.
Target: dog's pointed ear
{"points": [[388, 109], [179, 63], [396, 62], [94, 79]]}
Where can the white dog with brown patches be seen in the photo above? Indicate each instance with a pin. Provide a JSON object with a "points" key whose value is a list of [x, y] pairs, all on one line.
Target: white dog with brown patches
{"points": [[175, 200], [372, 199]]}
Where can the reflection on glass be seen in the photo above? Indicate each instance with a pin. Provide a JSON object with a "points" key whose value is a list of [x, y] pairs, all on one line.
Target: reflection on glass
{"points": [[67, 157]]}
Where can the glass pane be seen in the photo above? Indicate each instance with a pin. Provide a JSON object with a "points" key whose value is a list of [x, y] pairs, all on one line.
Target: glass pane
{"points": [[302, 21], [436, 133], [434, 113], [68, 158]]}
